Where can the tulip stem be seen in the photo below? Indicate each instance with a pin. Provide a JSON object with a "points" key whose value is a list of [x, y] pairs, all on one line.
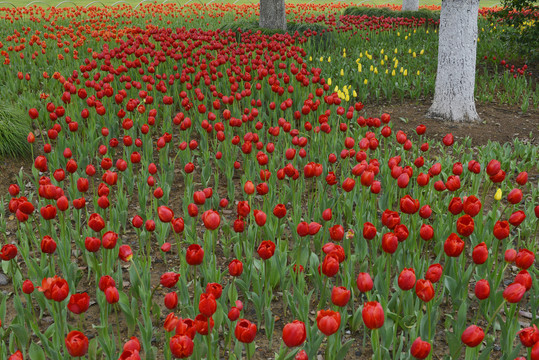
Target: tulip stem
{"points": [[117, 325], [493, 317], [209, 340], [376, 348]]}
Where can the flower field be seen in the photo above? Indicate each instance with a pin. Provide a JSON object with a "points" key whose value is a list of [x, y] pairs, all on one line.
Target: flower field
{"points": [[198, 189]]}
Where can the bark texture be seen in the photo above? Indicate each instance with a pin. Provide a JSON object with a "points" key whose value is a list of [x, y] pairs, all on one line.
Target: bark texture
{"points": [[457, 48], [272, 14], [410, 5]]}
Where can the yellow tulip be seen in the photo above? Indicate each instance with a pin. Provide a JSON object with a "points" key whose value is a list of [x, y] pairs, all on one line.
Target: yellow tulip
{"points": [[342, 72], [396, 51], [321, 58], [329, 81], [365, 82], [498, 195], [398, 33], [406, 37], [381, 62], [387, 72], [385, 57], [372, 68], [393, 73], [360, 55], [310, 58], [422, 52], [401, 70], [427, 31], [414, 54], [359, 67], [354, 93], [376, 70], [382, 51], [329, 59], [418, 72], [409, 51], [405, 72]]}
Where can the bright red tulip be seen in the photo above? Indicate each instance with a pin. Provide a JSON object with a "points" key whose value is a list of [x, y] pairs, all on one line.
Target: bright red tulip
{"points": [[328, 321], [76, 344], [373, 315], [294, 333]]}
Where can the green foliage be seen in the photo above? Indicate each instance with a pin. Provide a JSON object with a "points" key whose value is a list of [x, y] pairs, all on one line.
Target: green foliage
{"points": [[521, 37], [387, 12], [14, 129]]}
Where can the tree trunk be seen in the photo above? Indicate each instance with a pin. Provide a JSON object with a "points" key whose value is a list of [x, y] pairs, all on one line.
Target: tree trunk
{"points": [[457, 47], [272, 14], [410, 5]]}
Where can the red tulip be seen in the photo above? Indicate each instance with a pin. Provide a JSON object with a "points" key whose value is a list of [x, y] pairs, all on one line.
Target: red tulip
{"points": [[514, 293], [390, 243], [76, 344], [340, 296], [328, 321], [524, 278], [453, 246], [465, 225], [517, 218], [448, 140], [125, 253], [79, 303], [524, 259], [420, 349], [96, 222], [165, 214], [181, 346], [529, 336], [455, 206], [493, 167], [48, 245], [112, 295], [426, 232], [330, 265], [434, 273], [211, 219], [302, 355], [266, 249], [186, 327], [407, 279], [169, 279], [245, 331], [194, 255], [235, 268], [109, 240], [279, 211], [472, 336], [480, 253], [364, 282], [294, 333], [424, 290], [369, 231], [514, 196], [27, 287], [482, 289], [373, 315], [501, 230], [408, 205]]}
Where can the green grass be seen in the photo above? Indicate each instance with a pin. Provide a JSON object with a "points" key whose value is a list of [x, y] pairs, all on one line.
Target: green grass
{"points": [[43, 3], [14, 128]]}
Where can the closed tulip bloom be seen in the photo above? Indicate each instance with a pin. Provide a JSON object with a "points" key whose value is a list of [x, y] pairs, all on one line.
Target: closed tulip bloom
{"points": [[194, 255], [303, 229], [169, 279], [517, 218], [510, 255], [132, 345], [373, 315], [390, 242], [96, 222], [111, 294], [340, 296], [79, 303], [260, 217], [452, 183], [294, 333], [207, 305], [369, 231], [529, 336], [330, 265], [302, 355], [390, 219], [455, 206], [364, 282], [514, 293], [245, 331], [453, 246], [181, 346], [465, 225], [408, 205], [211, 219], [407, 279], [535, 352], [493, 167], [165, 214], [522, 178], [328, 321], [524, 278], [171, 321], [125, 253], [235, 268], [171, 300], [524, 259], [105, 282], [279, 211], [76, 344], [348, 184], [472, 205], [215, 289], [27, 287], [425, 211], [482, 289], [48, 245], [480, 253], [424, 290], [472, 336], [426, 232], [109, 240], [420, 349], [266, 249], [501, 230], [514, 196], [186, 327], [336, 232], [434, 273]]}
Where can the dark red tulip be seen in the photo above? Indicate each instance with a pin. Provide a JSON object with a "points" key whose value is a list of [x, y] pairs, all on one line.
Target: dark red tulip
{"points": [[96, 222], [465, 225], [529, 336], [112, 295], [514, 196], [266, 249], [207, 305], [169, 279], [364, 282], [523, 277], [165, 214], [211, 219], [294, 333], [480, 253], [279, 211], [109, 239], [235, 268], [194, 254], [448, 140], [501, 230], [453, 246], [369, 231], [181, 346], [27, 287], [390, 242], [471, 206], [514, 293], [426, 232], [517, 218], [48, 245], [330, 265], [79, 303], [408, 205]]}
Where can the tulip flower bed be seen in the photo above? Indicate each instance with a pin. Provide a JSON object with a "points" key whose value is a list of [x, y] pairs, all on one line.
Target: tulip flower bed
{"points": [[197, 193]]}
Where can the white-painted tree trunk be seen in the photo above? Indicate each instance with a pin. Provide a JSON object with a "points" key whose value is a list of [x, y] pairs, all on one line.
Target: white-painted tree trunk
{"points": [[457, 47], [410, 5], [272, 14]]}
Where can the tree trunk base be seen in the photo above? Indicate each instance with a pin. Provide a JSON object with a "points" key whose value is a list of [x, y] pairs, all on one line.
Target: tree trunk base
{"points": [[447, 113]]}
